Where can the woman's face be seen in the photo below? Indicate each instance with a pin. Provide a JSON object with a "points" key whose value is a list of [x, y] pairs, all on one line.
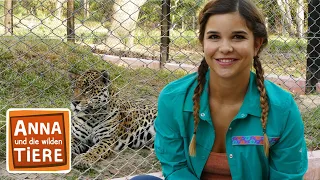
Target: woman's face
{"points": [[229, 45]]}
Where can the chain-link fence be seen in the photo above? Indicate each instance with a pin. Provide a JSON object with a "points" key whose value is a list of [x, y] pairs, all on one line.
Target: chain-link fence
{"points": [[143, 45]]}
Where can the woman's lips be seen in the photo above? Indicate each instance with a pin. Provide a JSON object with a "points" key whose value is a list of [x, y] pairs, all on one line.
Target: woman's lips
{"points": [[226, 61]]}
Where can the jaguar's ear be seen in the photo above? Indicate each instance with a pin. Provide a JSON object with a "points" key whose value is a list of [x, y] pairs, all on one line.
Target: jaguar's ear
{"points": [[105, 77], [73, 76]]}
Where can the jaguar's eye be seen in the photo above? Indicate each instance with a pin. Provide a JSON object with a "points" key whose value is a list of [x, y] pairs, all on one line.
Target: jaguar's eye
{"points": [[88, 91]]}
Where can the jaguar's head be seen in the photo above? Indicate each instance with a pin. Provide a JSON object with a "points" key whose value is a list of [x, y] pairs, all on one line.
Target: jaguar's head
{"points": [[90, 90]]}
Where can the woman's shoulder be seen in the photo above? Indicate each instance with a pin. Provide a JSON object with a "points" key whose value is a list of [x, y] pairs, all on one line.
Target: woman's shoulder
{"points": [[277, 95], [179, 86]]}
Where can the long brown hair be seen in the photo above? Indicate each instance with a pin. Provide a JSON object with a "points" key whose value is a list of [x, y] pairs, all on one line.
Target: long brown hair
{"points": [[255, 22]]}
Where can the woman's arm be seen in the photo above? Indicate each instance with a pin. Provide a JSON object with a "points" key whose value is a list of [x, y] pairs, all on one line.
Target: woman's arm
{"points": [[168, 144], [288, 158]]}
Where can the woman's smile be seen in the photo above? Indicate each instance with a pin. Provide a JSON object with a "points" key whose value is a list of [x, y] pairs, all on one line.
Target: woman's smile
{"points": [[226, 62]]}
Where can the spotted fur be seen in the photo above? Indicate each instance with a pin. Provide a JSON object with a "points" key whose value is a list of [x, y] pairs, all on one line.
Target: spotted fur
{"points": [[103, 122]]}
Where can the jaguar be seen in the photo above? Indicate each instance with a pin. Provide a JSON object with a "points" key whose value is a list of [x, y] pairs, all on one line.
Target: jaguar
{"points": [[103, 122]]}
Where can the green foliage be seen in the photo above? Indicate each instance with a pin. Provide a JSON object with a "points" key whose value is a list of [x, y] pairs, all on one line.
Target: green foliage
{"points": [[182, 12], [99, 10], [270, 10], [35, 7], [150, 14]]}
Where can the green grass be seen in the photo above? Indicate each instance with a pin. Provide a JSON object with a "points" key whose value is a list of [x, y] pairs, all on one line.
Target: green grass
{"points": [[35, 74], [2, 141], [287, 45], [312, 128]]}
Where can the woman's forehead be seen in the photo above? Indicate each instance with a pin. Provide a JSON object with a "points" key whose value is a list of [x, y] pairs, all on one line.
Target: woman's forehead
{"points": [[227, 22]]}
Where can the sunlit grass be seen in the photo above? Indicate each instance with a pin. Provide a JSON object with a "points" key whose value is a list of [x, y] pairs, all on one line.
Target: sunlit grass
{"points": [[35, 74], [312, 128]]}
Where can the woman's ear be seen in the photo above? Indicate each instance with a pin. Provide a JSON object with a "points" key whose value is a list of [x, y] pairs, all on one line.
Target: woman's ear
{"points": [[257, 45]]}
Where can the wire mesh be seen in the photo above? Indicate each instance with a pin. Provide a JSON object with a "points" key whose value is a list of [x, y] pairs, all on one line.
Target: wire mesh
{"points": [[123, 37]]}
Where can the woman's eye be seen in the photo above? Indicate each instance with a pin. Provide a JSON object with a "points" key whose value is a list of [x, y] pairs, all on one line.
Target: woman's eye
{"points": [[213, 37], [238, 37]]}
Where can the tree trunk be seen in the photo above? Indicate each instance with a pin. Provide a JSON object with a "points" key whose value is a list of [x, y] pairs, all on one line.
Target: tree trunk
{"points": [[165, 32], [300, 18], [173, 7], [313, 49], [286, 15], [70, 21], [59, 7], [289, 17], [86, 7], [8, 19], [123, 23]]}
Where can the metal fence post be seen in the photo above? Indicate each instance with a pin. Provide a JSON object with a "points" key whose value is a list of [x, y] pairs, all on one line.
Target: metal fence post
{"points": [[165, 32], [313, 49]]}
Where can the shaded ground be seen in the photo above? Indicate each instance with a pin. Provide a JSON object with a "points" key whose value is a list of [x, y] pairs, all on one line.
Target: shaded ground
{"points": [[128, 162]]}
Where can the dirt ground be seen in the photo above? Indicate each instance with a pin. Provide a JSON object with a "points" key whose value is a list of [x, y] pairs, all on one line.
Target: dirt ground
{"points": [[307, 102]]}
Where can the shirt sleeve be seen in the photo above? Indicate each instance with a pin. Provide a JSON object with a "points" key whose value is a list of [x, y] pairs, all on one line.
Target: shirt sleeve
{"points": [[288, 157], [169, 146]]}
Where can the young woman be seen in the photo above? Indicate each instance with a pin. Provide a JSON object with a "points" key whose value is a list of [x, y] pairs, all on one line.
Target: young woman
{"points": [[226, 122]]}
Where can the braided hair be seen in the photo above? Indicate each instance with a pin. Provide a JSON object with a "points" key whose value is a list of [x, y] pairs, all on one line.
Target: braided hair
{"points": [[202, 70]]}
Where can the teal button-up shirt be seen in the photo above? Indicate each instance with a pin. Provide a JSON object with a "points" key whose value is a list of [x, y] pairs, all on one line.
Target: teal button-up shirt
{"points": [[244, 149]]}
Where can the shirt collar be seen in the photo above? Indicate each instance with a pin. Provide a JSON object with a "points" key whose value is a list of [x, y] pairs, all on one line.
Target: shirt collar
{"points": [[250, 105]]}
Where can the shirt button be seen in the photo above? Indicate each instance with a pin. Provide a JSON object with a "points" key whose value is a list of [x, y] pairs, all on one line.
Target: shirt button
{"points": [[230, 156], [243, 115], [230, 128], [202, 114]]}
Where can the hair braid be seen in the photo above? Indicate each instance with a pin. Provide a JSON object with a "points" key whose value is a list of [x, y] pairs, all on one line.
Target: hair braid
{"points": [[202, 70], [263, 102]]}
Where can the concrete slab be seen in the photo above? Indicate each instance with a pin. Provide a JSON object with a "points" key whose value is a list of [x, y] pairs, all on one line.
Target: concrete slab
{"points": [[313, 172]]}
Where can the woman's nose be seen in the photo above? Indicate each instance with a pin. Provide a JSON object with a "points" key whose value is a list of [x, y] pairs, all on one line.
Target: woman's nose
{"points": [[225, 47]]}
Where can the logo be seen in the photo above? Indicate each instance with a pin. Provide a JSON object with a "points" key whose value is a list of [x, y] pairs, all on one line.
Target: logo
{"points": [[38, 140]]}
